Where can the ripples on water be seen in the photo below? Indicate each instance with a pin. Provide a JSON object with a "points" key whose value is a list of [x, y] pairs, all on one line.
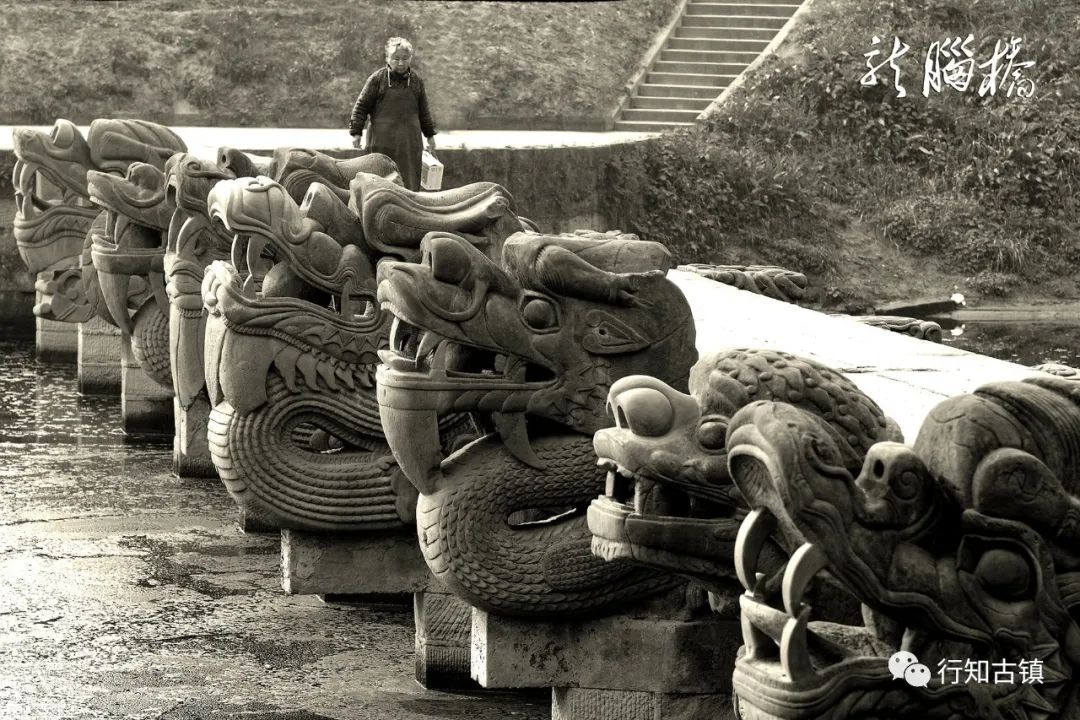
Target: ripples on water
{"points": [[63, 454], [40, 402]]}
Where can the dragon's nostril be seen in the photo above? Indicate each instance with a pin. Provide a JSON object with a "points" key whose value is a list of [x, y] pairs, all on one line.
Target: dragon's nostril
{"points": [[879, 469], [646, 411]]}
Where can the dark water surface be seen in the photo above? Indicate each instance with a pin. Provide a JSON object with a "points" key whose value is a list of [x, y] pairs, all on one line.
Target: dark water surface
{"points": [[129, 593], [1022, 343], [40, 402]]}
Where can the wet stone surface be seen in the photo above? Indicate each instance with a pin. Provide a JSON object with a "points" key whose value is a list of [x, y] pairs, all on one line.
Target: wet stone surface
{"points": [[128, 593]]}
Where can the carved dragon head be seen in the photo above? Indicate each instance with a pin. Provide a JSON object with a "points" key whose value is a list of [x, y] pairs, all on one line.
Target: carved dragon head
{"points": [[296, 169], [962, 550], [53, 211], [305, 273], [543, 334], [670, 501], [395, 220], [299, 294], [193, 243], [137, 213]]}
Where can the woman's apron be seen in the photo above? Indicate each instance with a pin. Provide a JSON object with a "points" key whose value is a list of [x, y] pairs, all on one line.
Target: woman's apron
{"points": [[395, 131]]}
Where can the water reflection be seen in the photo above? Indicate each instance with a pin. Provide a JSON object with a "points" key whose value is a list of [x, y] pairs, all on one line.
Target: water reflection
{"points": [[40, 402], [1023, 343]]}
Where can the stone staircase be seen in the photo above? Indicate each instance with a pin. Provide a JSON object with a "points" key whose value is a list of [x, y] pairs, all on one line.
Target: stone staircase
{"points": [[712, 44]]}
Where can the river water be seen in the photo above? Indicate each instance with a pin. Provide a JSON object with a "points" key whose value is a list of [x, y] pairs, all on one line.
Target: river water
{"points": [[127, 593], [1028, 344]]}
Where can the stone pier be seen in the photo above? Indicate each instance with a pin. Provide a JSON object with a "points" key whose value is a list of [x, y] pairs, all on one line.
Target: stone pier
{"points": [[146, 406], [100, 348], [381, 566], [621, 667], [54, 341], [191, 449]]}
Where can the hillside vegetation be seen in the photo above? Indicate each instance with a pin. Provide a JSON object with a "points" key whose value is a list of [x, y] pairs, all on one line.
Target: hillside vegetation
{"points": [[873, 195], [284, 63]]}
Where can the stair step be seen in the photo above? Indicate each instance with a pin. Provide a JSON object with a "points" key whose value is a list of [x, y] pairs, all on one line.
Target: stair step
{"points": [[760, 9], [688, 91], [659, 102], [741, 57], [701, 68], [647, 115], [642, 126], [687, 32], [748, 21], [666, 78], [711, 45]]}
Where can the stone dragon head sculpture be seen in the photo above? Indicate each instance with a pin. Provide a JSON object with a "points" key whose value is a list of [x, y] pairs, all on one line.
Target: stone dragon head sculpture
{"points": [[670, 501], [137, 212], [55, 212], [961, 549], [531, 342], [292, 339]]}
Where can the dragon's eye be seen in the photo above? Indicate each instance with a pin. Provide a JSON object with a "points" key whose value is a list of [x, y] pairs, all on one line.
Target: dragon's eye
{"points": [[540, 313], [450, 263], [62, 134], [712, 432], [1005, 574]]}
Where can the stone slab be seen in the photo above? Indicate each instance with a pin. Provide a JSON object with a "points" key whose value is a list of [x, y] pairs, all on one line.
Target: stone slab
{"points": [[905, 376], [100, 348], [384, 563], [146, 407], [252, 139], [644, 654], [596, 704], [191, 449]]}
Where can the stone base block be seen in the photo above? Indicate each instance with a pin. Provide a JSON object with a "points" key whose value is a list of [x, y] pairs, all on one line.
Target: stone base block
{"points": [[374, 564], [620, 652], [56, 341], [443, 624], [594, 704], [100, 348], [146, 407], [191, 449]]}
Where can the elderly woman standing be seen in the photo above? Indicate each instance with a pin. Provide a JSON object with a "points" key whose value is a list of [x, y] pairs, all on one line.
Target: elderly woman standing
{"points": [[395, 100]]}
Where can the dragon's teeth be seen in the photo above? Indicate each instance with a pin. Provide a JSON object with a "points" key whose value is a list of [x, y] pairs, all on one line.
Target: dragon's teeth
{"points": [[795, 650], [755, 531], [395, 334], [439, 359], [428, 342], [609, 483], [236, 251], [254, 250]]}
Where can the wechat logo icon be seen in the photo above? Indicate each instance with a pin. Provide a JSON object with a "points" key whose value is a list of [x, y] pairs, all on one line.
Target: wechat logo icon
{"points": [[904, 665]]}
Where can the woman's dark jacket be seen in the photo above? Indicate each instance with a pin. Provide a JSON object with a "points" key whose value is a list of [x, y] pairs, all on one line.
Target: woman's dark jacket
{"points": [[375, 88]]}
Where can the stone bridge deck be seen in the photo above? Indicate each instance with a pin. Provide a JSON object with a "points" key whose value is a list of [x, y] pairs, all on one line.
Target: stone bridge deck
{"points": [[904, 375], [263, 139]]}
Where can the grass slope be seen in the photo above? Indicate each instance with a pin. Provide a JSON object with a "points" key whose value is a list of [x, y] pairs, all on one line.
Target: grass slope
{"points": [[283, 63], [875, 196]]}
